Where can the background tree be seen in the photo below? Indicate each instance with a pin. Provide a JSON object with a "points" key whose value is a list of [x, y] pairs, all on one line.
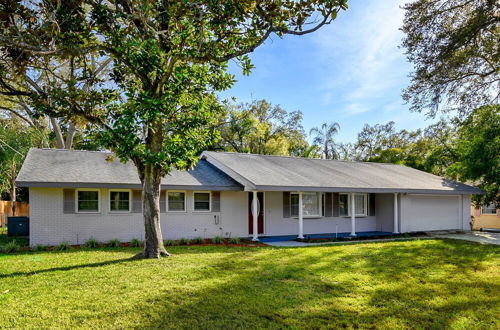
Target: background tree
{"points": [[477, 148], [324, 138], [454, 47], [169, 59], [262, 128], [16, 138]]}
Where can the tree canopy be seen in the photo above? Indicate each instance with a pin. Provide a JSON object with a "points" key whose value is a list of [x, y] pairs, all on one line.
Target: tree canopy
{"points": [[455, 50], [158, 107], [262, 128]]}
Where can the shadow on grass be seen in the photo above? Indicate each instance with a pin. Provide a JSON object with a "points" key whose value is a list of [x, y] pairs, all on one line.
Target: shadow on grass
{"points": [[363, 287], [66, 268]]}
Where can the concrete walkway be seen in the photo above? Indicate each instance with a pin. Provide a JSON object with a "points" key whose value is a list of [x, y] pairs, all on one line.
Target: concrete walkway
{"points": [[473, 236], [302, 244]]}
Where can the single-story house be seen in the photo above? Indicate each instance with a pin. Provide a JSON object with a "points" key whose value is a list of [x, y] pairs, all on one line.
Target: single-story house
{"points": [[75, 195]]}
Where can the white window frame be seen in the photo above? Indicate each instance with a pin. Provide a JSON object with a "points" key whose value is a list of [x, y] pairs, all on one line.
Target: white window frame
{"points": [[129, 200], [209, 201], [349, 197], [309, 216], [98, 200], [494, 207], [168, 204]]}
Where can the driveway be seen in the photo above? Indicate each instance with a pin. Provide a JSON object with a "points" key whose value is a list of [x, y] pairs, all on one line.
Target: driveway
{"points": [[473, 236]]}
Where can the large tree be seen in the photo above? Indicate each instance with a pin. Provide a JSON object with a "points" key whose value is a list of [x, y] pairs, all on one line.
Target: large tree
{"points": [[477, 150], [169, 59], [262, 128], [455, 49]]}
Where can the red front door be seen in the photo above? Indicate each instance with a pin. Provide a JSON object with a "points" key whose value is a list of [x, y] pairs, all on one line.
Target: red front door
{"points": [[260, 219]]}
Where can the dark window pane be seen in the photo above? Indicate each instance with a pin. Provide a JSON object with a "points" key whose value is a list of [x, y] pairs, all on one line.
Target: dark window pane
{"points": [[88, 206], [176, 201], [119, 201], [88, 200], [201, 206], [344, 204], [88, 195], [294, 205], [202, 201]]}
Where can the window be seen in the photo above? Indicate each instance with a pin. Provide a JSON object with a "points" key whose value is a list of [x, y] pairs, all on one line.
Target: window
{"points": [[361, 205], [119, 200], [201, 201], [176, 201], [489, 209], [344, 205], [87, 200], [311, 204]]}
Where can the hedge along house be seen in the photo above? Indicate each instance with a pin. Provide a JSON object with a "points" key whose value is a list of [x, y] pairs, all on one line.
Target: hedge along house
{"points": [[75, 195]]}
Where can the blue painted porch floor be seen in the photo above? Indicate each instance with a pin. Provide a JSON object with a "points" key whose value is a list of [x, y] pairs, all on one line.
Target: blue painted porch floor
{"points": [[284, 238]]}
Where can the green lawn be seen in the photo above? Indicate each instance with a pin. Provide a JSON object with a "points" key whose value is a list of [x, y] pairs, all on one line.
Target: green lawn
{"points": [[406, 284]]}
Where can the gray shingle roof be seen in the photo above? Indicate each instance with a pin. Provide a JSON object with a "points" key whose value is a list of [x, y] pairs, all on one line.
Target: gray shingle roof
{"points": [[262, 172], [69, 168]]}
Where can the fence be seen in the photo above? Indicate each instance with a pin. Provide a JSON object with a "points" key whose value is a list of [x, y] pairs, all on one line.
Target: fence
{"points": [[22, 209]]}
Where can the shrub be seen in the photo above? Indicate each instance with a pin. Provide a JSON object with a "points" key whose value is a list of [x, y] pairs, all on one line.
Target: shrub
{"points": [[217, 240], [198, 240], [235, 240], [63, 246], [11, 247], [168, 242], [91, 243], [39, 248], [136, 242], [184, 241], [114, 243]]}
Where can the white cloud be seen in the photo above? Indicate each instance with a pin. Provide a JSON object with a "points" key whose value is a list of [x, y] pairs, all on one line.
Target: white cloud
{"points": [[361, 51], [354, 109]]}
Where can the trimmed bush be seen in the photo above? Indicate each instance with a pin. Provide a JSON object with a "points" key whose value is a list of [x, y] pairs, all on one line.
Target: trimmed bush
{"points": [[217, 240], [198, 240], [168, 242], [184, 241], [91, 243], [235, 240], [10, 247], [63, 246], [136, 242], [114, 243], [39, 248]]}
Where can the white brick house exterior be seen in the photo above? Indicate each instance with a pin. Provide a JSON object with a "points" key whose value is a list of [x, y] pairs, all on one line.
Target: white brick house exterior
{"points": [[337, 197]]}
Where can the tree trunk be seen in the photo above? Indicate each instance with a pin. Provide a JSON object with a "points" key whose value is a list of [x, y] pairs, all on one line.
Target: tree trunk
{"points": [[153, 243], [70, 135], [58, 132]]}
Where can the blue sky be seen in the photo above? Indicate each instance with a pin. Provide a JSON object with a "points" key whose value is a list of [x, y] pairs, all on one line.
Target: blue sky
{"points": [[351, 71]]}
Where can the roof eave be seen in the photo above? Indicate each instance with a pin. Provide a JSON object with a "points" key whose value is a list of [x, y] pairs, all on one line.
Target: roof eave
{"points": [[38, 184]]}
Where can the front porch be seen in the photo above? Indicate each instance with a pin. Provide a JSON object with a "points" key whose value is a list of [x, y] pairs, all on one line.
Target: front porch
{"points": [[284, 216], [283, 238]]}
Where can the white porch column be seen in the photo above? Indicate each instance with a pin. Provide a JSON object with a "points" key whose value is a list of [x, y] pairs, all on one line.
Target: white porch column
{"points": [[353, 215], [255, 215], [461, 212], [301, 217], [396, 219]]}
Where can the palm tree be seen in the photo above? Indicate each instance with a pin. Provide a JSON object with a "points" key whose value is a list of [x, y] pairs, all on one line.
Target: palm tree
{"points": [[324, 138]]}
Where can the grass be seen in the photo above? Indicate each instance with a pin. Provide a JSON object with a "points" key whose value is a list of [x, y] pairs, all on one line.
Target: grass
{"points": [[4, 239], [406, 284]]}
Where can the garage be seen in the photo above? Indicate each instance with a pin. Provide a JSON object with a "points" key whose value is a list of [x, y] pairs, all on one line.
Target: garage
{"points": [[430, 212]]}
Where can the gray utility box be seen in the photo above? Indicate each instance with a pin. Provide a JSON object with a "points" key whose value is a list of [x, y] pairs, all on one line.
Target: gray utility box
{"points": [[18, 226]]}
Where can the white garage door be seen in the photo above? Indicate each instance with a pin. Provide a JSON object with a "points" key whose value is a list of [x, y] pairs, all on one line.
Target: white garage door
{"points": [[431, 213]]}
